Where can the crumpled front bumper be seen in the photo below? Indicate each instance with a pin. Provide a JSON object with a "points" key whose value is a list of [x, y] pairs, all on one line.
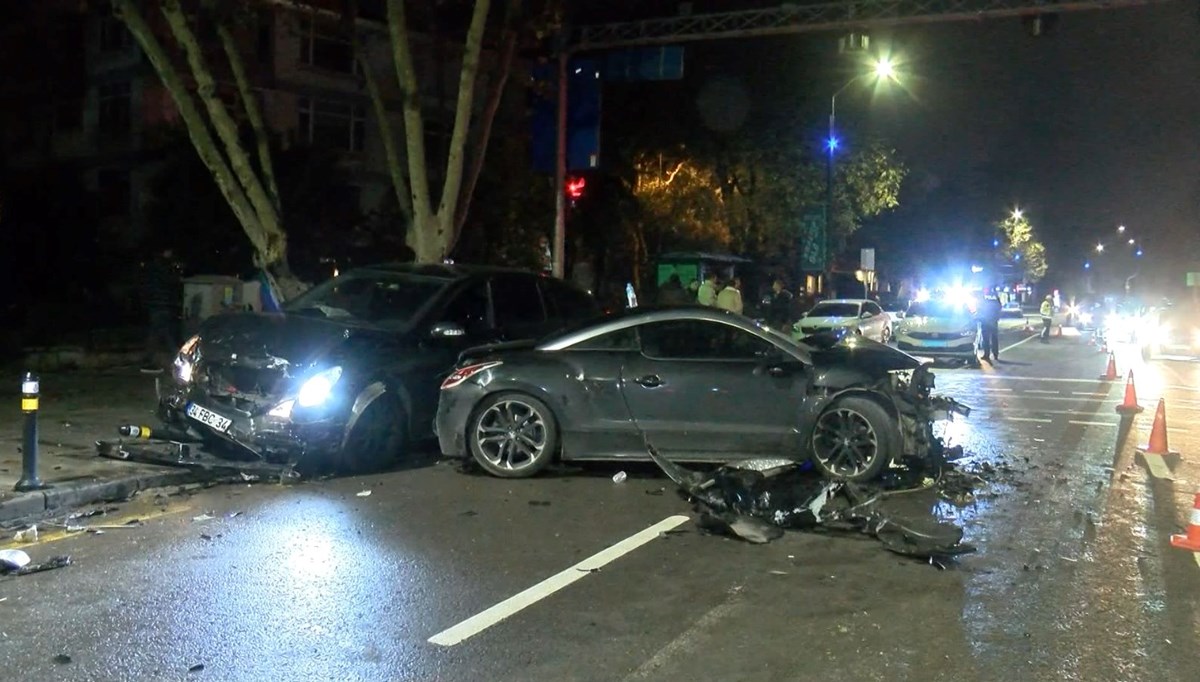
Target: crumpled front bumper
{"points": [[256, 432]]}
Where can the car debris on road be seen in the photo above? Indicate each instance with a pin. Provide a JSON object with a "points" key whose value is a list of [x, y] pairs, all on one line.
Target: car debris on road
{"points": [[757, 503]]}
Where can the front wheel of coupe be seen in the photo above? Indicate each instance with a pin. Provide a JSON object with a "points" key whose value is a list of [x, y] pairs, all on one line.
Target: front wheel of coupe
{"points": [[512, 435], [854, 440]]}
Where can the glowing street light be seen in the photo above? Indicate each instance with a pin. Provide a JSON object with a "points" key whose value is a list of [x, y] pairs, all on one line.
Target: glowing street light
{"points": [[1087, 265], [884, 69], [1138, 253], [1099, 248], [1017, 213], [1121, 229], [1131, 242]]}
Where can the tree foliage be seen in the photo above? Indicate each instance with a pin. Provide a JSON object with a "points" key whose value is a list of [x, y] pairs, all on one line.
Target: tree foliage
{"points": [[1021, 245], [749, 199]]}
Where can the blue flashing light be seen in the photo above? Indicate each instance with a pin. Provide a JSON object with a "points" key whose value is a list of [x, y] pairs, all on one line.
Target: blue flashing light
{"points": [[832, 144], [1016, 256], [995, 243], [1087, 265], [1138, 252]]}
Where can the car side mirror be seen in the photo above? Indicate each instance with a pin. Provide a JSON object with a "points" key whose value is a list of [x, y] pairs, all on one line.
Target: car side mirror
{"points": [[865, 315], [447, 330]]}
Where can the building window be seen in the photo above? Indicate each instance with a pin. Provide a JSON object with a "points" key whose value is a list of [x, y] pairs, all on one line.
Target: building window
{"points": [[112, 186], [114, 36], [323, 48], [335, 125], [68, 115], [114, 109]]}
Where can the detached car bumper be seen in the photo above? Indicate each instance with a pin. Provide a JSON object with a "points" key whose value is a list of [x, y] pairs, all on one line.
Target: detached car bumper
{"points": [[271, 437]]}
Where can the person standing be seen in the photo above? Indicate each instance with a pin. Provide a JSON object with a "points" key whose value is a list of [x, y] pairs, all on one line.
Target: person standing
{"points": [[672, 292], [779, 309], [1047, 313], [707, 293], [730, 297], [989, 326]]}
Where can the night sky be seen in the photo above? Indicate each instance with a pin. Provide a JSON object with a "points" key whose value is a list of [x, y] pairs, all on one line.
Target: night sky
{"points": [[1093, 124]]}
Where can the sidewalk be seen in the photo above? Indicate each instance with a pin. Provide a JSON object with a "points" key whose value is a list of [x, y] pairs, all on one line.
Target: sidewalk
{"points": [[77, 409]]}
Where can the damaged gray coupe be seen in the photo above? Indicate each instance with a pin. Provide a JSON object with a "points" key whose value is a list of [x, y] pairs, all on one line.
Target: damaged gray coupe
{"points": [[699, 384]]}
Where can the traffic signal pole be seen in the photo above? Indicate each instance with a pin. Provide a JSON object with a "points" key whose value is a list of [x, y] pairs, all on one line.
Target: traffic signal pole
{"points": [[560, 172]]}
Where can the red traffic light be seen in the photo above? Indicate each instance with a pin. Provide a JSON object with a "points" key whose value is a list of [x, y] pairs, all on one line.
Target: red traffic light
{"points": [[575, 187]]}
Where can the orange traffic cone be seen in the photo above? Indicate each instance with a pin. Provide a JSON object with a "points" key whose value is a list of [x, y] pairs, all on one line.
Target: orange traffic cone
{"points": [[1130, 405], [1058, 330], [1158, 433], [1192, 539], [1111, 373]]}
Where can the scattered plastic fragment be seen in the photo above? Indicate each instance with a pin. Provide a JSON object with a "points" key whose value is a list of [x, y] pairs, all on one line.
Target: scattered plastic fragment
{"points": [[61, 659], [196, 668], [29, 534], [202, 517], [13, 559], [539, 503], [620, 477], [364, 493]]}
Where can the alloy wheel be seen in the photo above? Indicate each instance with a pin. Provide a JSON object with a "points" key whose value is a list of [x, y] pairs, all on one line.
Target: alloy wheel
{"points": [[511, 434], [845, 442]]}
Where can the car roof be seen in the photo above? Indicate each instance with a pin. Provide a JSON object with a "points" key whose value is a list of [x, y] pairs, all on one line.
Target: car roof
{"points": [[443, 270], [845, 300]]}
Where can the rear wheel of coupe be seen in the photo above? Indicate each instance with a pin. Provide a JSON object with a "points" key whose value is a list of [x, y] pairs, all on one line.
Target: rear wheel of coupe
{"points": [[512, 435], [854, 439], [377, 439]]}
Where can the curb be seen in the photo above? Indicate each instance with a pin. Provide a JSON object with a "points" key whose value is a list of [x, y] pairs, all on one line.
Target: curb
{"points": [[90, 492]]}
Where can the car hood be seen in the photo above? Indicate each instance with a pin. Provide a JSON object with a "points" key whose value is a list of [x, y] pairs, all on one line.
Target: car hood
{"points": [[849, 360], [282, 341], [937, 325], [826, 321]]}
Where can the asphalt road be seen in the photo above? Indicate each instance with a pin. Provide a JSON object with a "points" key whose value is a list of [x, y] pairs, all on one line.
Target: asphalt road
{"points": [[1073, 580]]}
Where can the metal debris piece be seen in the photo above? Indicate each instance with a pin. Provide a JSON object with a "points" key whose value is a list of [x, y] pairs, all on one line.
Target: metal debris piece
{"points": [[202, 517], [29, 534], [363, 493], [757, 507], [61, 659], [48, 565]]}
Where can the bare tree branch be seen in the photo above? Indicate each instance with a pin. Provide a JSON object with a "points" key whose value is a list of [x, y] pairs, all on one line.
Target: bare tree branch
{"points": [[414, 124], [253, 113], [225, 126], [462, 115], [508, 49], [128, 12]]}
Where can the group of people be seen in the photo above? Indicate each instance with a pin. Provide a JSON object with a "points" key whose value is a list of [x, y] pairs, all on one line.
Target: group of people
{"points": [[715, 292]]}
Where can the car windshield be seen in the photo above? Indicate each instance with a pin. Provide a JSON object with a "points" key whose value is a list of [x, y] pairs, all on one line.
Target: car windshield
{"points": [[937, 309], [834, 310], [384, 299]]}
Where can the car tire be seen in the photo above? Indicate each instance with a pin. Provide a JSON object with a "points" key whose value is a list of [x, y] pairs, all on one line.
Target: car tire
{"points": [[872, 434], [377, 440], [512, 435]]}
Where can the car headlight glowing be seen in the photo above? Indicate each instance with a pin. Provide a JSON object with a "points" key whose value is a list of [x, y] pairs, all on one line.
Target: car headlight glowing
{"points": [[317, 388], [184, 361]]}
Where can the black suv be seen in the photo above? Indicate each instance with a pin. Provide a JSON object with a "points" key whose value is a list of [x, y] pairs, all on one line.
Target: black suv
{"points": [[348, 374]]}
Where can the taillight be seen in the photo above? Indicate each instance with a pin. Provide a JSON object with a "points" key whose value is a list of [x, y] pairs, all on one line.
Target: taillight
{"points": [[463, 373]]}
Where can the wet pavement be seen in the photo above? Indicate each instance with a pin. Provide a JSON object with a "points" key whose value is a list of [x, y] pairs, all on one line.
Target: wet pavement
{"points": [[1074, 578]]}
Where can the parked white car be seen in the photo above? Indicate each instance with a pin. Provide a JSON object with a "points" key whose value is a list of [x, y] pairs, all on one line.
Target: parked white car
{"points": [[858, 315]]}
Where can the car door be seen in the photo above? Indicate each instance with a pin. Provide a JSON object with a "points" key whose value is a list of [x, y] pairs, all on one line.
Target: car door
{"points": [[593, 417], [468, 307], [702, 389]]}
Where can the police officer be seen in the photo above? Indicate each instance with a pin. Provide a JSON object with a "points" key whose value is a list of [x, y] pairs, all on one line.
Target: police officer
{"points": [[989, 326], [1047, 313]]}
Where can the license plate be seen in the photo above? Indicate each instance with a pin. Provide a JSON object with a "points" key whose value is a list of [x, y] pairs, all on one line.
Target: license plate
{"points": [[208, 417], [936, 343]]}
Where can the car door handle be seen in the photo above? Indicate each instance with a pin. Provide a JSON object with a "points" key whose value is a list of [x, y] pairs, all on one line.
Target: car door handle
{"points": [[649, 381]]}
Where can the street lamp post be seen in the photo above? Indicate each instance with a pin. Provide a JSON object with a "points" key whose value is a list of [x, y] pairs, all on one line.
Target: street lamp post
{"points": [[882, 69]]}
